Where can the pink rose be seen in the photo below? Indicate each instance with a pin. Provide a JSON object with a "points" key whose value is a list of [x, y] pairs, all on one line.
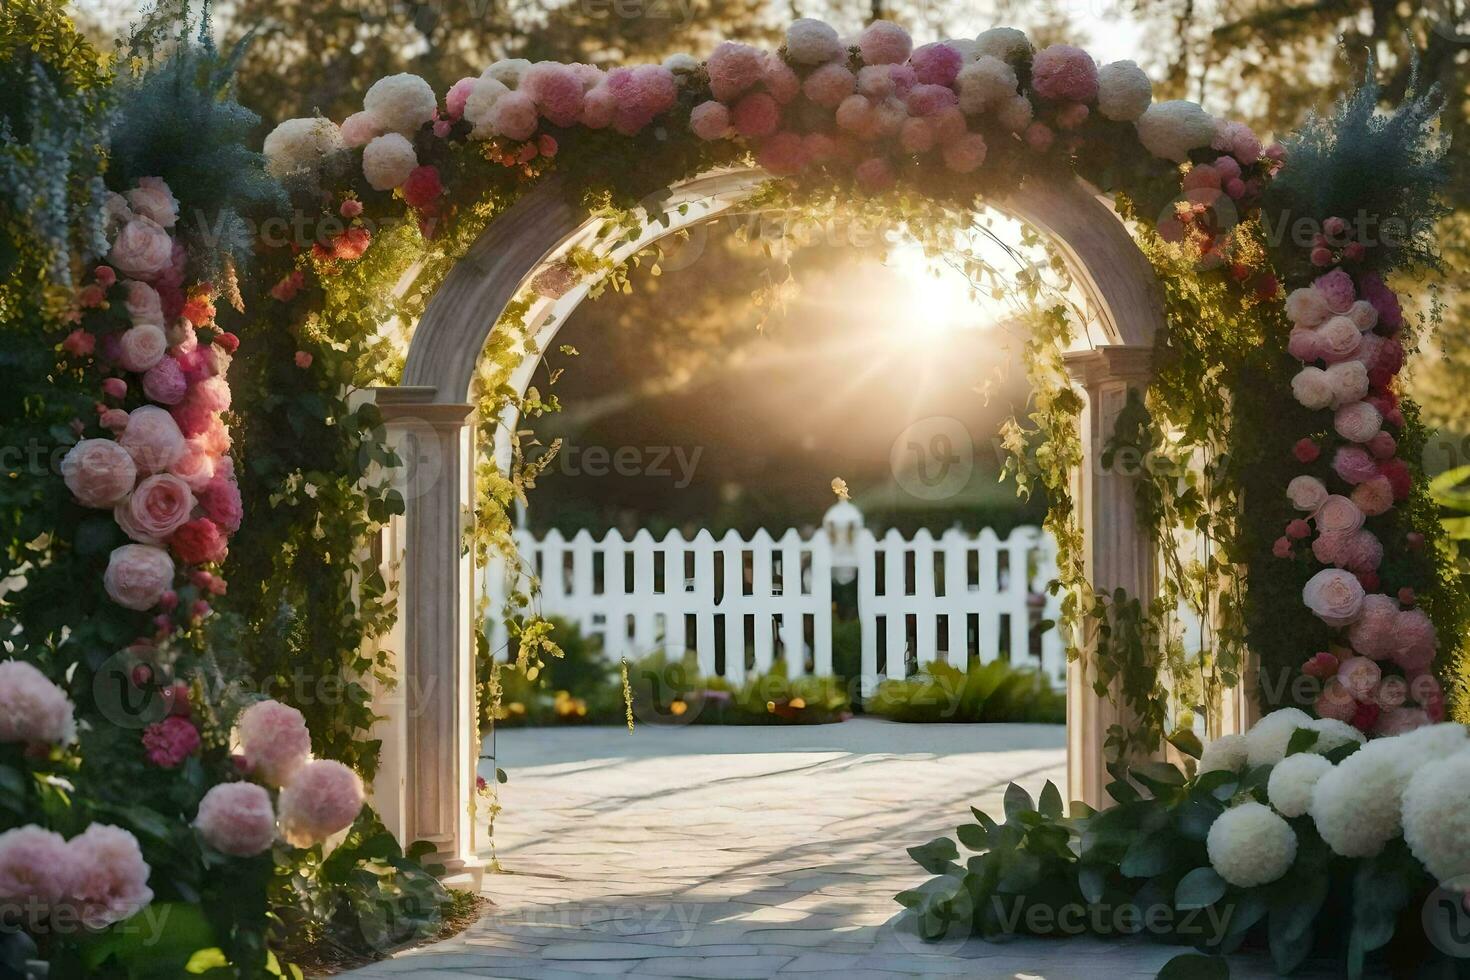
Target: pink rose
{"points": [[1302, 344], [237, 819], [1306, 493], [1359, 676], [1357, 422], [221, 503], [1337, 290], [153, 439], [196, 466], [169, 742], [79, 343], [199, 542], [137, 576], [1374, 496], [1307, 307], [152, 199], [1334, 596], [323, 798], [36, 866], [1391, 692], [112, 877], [98, 472], [32, 709], [156, 508], [144, 304], [303, 359], [1354, 465], [1338, 515], [1312, 388], [1364, 314], [141, 347], [274, 741], [1338, 340], [142, 249], [165, 383]]}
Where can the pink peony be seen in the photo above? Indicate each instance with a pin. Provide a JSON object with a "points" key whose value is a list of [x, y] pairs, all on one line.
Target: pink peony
{"points": [[756, 115], [237, 819], [196, 466], [1302, 345], [556, 90], [1383, 446], [1384, 300], [156, 509], [199, 541], [137, 576], [111, 881], [1359, 676], [1391, 692], [936, 64], [458, 95], [1353, 465], [1328, 547], [33, 710], [1374, 496], [927, 100], [1306, 493], [965, 154], [1372, 634], [322, 798], [169, 742], [274, 741], [1306, 307], [1338, 515], [884, 43], [1361, 552], [1063, 73], [212, 393], [1364, 314], [1357, 422], [1337, 290], [142, 250], [152, 199], [710, 121], [141, 347], [98, 472], [165, 383], [36, 866], [733, 68], [1334, 596], [143, 303], [1338, 340], [829, 85], [153, 439]]}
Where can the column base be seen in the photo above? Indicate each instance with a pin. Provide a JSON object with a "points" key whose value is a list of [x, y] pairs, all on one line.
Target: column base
{"points": [[464, 873]]}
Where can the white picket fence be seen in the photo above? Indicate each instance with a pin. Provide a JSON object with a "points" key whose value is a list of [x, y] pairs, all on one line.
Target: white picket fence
{"points": [[741, 605]]}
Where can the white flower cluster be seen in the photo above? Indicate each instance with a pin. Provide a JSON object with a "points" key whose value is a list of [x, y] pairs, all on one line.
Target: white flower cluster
{"points": [[300, 145], [1171, 129], [1124, 92], [387, 161], [812, 42], [1411, 784], [400, 103]]}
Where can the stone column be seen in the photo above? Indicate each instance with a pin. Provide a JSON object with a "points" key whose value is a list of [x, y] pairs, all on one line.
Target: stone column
{"points": [[1119, 552], [431, 741]]}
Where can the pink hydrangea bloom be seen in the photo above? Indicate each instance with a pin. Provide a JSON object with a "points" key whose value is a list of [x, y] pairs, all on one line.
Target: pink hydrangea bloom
{"points": [[936, 64], [36, 866], [598, 108], [780, 81], [322, 798], [1039, 137], [165, 383], [782, 155], [458, 95], [710, 120], [514, 116], [733, 68], [1372, 634], [926, 100], [965, 153], [274, 741], [111, 876], [169, 742], [756, 115], [1063, 73], [32, 709], [829, 85], [237, 819], [884, 43], [916, 136], [855, 115], [641, 94], [1414, 640], [875, 175]]}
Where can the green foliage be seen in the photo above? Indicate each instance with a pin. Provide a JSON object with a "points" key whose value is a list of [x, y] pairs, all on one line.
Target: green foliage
{"points": [[1142, 865], [992, 692], [675, 692]]}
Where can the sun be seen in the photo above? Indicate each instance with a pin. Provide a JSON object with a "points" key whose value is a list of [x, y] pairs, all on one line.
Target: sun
{"points": [[939, 300]]}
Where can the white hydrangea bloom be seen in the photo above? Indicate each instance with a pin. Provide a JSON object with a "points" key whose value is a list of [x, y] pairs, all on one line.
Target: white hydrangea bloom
{"points": [[984, 83], [400, 103], [507, 71], [1251, 845], [812, 42], [681, 63], [1436, 819], [1226, 752], [300, 144], [1123, 91], [1171, 129], [387, 161], [1357, 805], [1334, 734], [1016, 114], [1005, 43], [968, 48], [479, 107], [1290, 787], [1434, 741], [1266, 742]]}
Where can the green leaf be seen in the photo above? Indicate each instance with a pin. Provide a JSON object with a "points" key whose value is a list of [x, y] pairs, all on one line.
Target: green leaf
{"points": [[1187, 742], [1302, 740], [1017, 801], [1200, 888], [973, 836], [1195, 966], [1123, 792], [205, 960], [935, 857], [1159, 777], [1092, 879], [1147, 856], [1051, 801]]}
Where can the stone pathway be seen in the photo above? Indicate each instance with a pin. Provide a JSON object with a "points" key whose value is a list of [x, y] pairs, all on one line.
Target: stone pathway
{"points": [[715, 852]]}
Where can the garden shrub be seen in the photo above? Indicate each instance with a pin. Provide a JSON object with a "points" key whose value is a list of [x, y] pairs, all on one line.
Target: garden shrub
{"points": [[993, 692]]}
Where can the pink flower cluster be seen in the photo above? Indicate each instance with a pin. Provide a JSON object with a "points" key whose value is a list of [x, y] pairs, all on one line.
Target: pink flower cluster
{"points": [[162, 466], [97, 878], [1347, 336]]}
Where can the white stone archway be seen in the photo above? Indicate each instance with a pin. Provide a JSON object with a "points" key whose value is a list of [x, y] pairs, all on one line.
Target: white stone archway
{"points": [[426, 787]]}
